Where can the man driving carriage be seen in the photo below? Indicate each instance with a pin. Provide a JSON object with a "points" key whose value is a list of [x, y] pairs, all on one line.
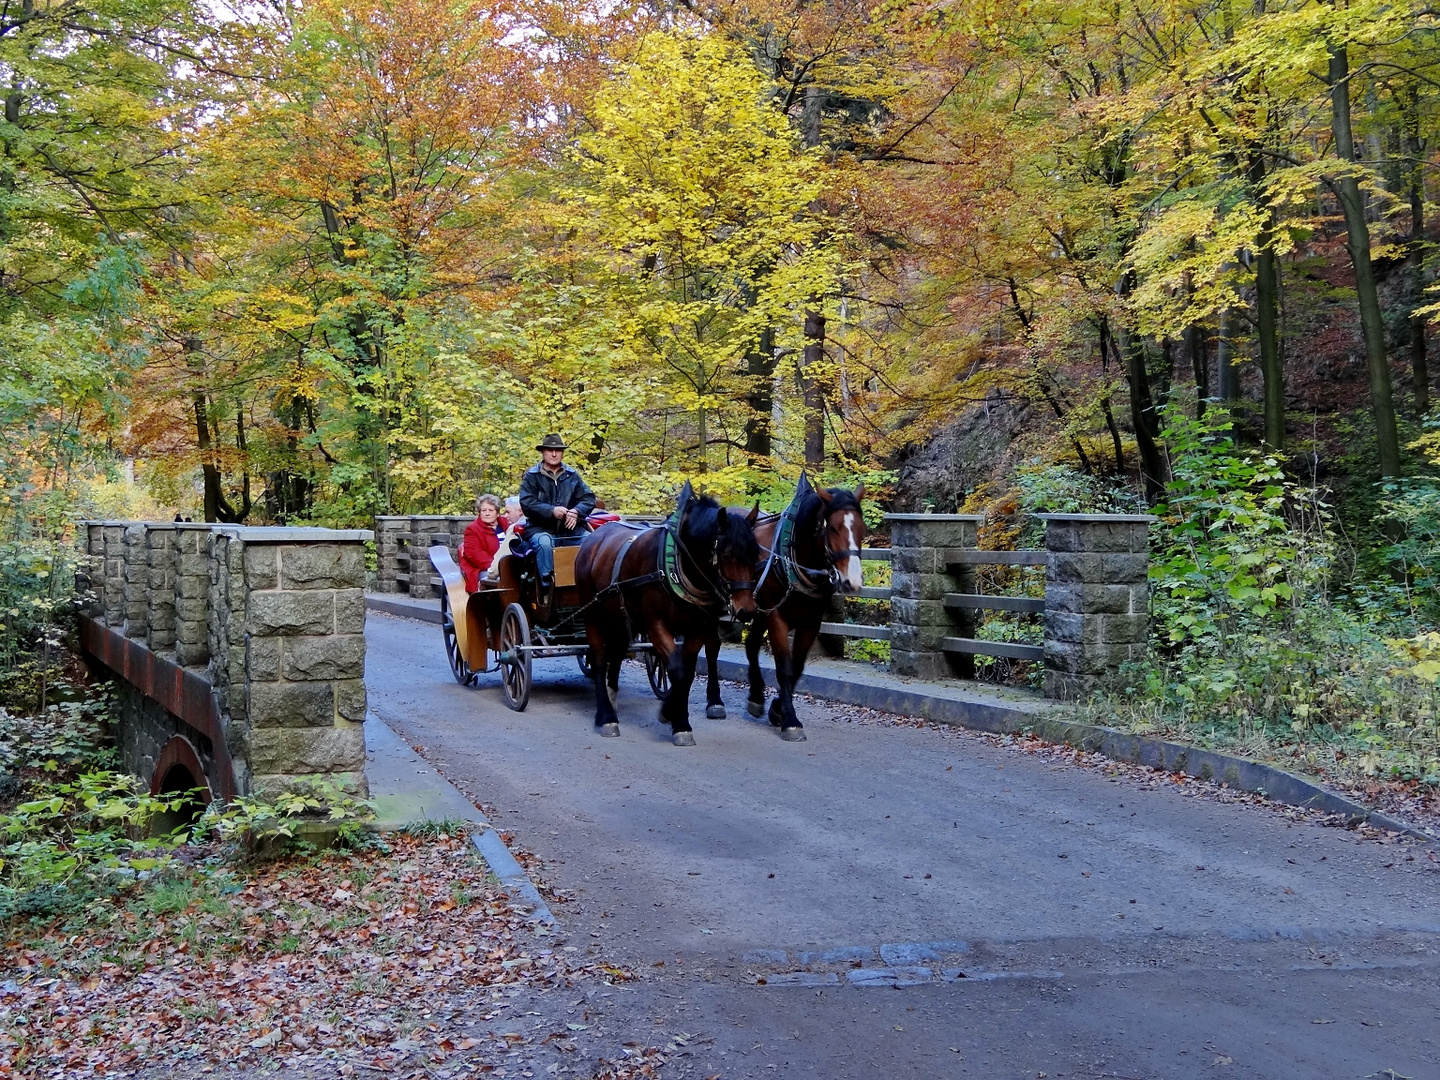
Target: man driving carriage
{"points": [[556, 502]]}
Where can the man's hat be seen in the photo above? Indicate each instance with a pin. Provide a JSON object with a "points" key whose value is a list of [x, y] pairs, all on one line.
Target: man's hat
{"points": [[551, 442]]}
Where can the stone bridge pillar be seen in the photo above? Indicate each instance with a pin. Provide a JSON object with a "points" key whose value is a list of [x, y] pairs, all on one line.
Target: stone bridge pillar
{"points": [[919, 580], [390, 533], [240, 651], [1097, 598], [287, 637], [190, 588]]}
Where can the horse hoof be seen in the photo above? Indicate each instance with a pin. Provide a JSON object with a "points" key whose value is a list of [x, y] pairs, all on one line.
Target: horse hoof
{"points": [[608, 731], [755, 708], [714, 712], [683, 738], [793, 734]]}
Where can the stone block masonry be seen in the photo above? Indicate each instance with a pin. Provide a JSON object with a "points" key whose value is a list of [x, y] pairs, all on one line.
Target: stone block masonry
{"points": [[252, 638], [919, 580], [1097, 598], [401, 546], [1096, 607]]}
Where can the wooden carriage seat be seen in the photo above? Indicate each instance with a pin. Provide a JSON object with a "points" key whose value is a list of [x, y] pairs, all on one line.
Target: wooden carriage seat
{"points": [[565, 565]]}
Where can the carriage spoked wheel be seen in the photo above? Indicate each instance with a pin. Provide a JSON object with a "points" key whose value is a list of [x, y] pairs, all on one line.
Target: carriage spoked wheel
{"points": [[657, 673], [515, 663], [583, 660], [459, 667]]}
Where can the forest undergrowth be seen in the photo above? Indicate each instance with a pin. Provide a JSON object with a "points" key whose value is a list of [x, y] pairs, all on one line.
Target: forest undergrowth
{"points": [[1272, 635]]}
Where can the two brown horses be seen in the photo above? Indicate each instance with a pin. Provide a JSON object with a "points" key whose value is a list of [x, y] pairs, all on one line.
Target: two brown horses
{"points": [[673, 582]]}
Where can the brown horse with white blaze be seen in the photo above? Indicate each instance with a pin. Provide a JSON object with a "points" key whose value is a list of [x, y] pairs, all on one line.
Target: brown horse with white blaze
{"points": [[808, 553], [673, 581]]}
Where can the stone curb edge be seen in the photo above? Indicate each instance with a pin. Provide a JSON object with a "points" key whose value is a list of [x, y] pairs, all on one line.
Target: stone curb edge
{"points": [[418, 610], [1239, 773], [507, 868]]}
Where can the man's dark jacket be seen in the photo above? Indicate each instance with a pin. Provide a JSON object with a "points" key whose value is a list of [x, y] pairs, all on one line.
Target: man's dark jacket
{"points": [[540, 493]]}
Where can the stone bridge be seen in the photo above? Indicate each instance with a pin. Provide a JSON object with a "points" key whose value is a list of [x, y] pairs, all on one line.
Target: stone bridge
{"points": [[239, 652]]}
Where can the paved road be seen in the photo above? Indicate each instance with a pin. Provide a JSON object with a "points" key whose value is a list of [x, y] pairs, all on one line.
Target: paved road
{"points": [[897, 901]]}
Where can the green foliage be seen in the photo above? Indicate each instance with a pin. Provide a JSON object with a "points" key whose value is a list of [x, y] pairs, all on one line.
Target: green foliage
{"points": [[1238, 541], [430, 829], [275, 822], [1254, 653], [1063, 489], [1410, 512], [74, 841]]}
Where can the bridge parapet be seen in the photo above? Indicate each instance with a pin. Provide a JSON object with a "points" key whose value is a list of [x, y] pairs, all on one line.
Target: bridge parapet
{"points": [[240, 651], [1095, 612]]}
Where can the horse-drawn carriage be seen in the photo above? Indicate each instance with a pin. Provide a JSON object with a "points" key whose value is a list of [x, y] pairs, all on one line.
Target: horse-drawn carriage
{"points": [[664, 592], [507, 624]]}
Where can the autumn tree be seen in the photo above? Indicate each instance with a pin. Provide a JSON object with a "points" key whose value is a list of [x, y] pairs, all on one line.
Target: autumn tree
{"points": [[695, 203]]}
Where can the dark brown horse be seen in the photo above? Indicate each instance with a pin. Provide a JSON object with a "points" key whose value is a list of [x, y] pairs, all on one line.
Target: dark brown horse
{"points": [[673, 582], [808, 553]]}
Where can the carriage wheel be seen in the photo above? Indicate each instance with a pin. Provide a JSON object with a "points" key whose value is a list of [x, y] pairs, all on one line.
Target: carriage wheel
{"points": [[658, 674], [458, 665], [515, 671], [583, 660]]}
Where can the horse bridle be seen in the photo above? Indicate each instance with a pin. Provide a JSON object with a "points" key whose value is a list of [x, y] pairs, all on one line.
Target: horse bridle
{"points": [[723, 588], [831, 572]]}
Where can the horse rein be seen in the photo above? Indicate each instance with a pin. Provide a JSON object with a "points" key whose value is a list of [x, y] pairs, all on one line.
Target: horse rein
{"points": [[807, 574]]}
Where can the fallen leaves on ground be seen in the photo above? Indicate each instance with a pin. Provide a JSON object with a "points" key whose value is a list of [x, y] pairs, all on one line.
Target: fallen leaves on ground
{"points": [[333, 961]]}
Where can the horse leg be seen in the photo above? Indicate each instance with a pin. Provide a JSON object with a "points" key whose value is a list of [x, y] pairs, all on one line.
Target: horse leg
{"points": [[682, 676], [714, 707], [612, 675], [784, 677], [754, 638], [782, 713], [607, 723]]}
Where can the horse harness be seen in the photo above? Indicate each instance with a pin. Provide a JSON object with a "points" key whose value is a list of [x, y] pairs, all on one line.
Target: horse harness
{"points": [[798, 577], [671, 571]]}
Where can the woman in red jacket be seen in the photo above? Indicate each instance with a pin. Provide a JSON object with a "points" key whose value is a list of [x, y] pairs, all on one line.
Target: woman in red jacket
{"points": [[482, 540]]}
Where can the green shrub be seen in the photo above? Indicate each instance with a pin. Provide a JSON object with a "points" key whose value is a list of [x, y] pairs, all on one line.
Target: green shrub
{"points": [[1254, 651]]}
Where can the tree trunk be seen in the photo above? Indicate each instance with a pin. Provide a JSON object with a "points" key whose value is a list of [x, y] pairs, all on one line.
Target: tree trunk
{"points": [[1415, 247], [1199, 366], [811, 392], [1272, 366], [1372, 327], [760, 370], [1142, 405], [1227, 375], [1105, 408]]}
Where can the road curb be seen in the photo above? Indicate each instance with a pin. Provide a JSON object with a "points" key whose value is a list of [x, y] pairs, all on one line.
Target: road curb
{"points": [[404, 606], [1001, 718], [406, 789], [507, 868]]}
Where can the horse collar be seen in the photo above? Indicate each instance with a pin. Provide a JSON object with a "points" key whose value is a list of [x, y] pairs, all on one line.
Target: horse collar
{"points": [[672, 567], [795, 573]]}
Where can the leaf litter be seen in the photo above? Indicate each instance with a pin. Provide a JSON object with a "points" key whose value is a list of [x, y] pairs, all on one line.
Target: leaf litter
{"points": [[381, 962]]}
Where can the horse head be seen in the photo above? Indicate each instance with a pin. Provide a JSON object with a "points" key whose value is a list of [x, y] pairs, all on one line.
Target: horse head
{"points": [[729, 540], [840, 529]]}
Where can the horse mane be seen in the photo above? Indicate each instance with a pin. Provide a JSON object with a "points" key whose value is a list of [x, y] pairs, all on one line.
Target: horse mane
{"points": [[840, 499], [702, 528]]}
